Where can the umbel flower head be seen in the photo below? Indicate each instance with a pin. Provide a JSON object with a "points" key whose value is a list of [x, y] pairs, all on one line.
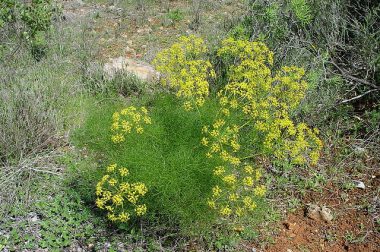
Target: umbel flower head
{"points": [[127, 120], [120, 198], [184, 68]]}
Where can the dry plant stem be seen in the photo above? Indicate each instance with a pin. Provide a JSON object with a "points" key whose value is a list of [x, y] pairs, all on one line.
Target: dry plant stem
{"points": [[359, 96], [348, 76]]}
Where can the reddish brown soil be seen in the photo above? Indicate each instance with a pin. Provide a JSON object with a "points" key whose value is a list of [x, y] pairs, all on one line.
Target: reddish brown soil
{"points": [[352, 229]]}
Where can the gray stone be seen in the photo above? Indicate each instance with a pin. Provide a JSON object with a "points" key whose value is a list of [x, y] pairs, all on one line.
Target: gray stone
{"points": [[326, 214], [312, 211], [140, 69]]}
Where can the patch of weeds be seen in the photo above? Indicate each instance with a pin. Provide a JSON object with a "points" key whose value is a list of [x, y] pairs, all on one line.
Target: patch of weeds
{"points": [[360, 237], [348, 185], [56, 220], [316, 182], [175, 15], [294, 203], [122, 83], [330, 237]]}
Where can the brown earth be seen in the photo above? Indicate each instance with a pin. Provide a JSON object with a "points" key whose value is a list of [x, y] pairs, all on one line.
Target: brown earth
{"points": [[354, 227]]}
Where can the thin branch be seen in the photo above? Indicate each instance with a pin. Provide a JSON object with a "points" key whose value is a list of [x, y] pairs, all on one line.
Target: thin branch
{"points": [[46, 171], [359, 96], [348, 76]]}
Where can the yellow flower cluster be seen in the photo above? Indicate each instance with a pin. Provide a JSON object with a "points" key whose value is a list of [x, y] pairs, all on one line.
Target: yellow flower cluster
{"points": [[128, 119], [222, 140], [267, 99], [234, 197], [184, 69], [119, 197]]}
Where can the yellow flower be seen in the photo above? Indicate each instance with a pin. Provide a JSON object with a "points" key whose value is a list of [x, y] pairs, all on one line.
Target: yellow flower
{"points": [[216, 191], [248, 169], [223, 100], [147, 120], [219, 123], [139, 130], [187, 106], [248, 181], [260, 190], [111, 168], [215, 148], [112, 217], [226, 211], [99, 189], [211, 204], [123, 171], [234, 104], [230, 179], [115, 126], [124, 187], [214, 133], [117, 199], [235, 145], [200, 101], [118, 138], [184, 68], [140, 210], [224, 155], [124, 217], [106, 195], [127, 127], [219, 170], [132, 197], [204, 141], [100, 203], [115, 116], [235, 160], [140, 188], [136, 117], [233, 197], [226, 112], [112, 182], [247, 200], [104, 179], [144, 110]]}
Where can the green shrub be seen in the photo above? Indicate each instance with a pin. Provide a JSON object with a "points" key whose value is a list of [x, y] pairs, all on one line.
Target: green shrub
{"points": [[37, 17], [301, 10], [326, 38], [30, 21], [7, 8], [167, 157], [197, 159], [175, 15]]}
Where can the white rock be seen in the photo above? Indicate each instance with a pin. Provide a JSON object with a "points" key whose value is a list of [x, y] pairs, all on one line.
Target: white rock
{"points": [[312, 211], [142, 70], [359, 184], [326, 214]]}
